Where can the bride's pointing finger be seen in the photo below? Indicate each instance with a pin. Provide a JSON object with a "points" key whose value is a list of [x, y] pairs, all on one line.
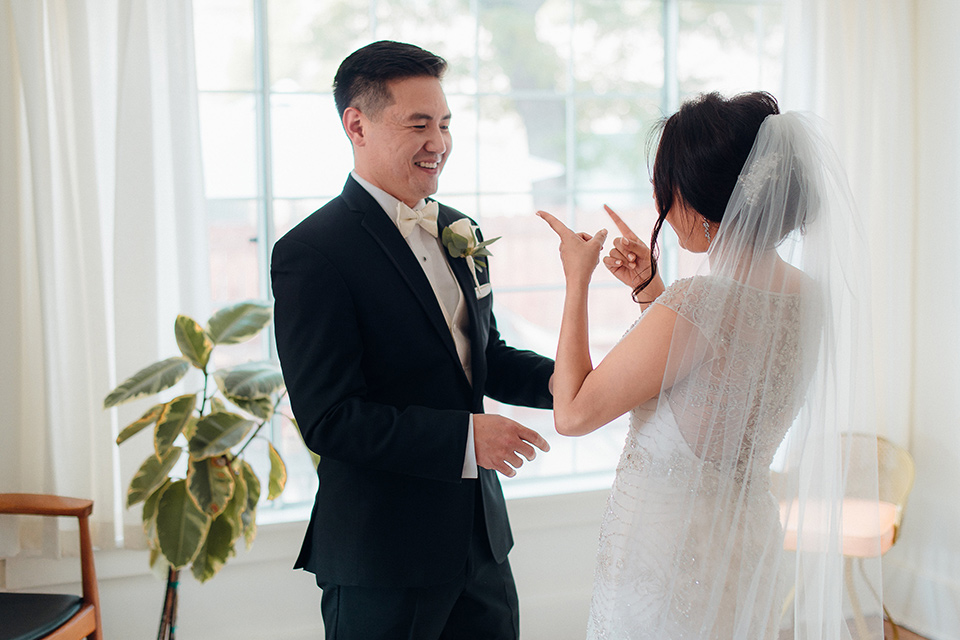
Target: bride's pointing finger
{"points": [[559, 228]]}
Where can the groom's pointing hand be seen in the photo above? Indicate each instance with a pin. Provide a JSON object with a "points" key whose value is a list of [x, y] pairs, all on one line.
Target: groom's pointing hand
{"points": [[500, 442]]}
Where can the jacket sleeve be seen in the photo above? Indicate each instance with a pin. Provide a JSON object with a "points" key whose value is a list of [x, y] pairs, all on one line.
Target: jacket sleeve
{"points": [[322, 355], [516, 376]]}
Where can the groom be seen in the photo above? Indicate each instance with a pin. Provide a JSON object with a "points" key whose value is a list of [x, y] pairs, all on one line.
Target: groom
{"points": [[388, 346]]}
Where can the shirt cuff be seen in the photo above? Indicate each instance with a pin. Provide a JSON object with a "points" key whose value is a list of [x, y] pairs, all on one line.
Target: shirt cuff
{"points": [[470, 454]]}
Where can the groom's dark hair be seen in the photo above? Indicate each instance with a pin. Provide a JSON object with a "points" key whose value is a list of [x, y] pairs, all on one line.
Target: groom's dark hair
{"points": [[362, 78]]}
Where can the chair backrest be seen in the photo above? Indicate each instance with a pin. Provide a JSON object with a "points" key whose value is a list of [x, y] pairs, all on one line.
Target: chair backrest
{"points": [[86, 622], [895, 471]]}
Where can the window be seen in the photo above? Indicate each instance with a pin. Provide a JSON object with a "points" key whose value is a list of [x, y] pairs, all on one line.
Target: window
{"points": [[553, 101]]}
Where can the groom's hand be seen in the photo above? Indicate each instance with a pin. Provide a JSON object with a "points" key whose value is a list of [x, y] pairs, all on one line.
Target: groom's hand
{"points": [[501, 441]]}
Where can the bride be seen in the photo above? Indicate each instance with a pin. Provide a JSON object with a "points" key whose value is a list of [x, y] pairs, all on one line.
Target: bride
{"points": [[746, 366]]}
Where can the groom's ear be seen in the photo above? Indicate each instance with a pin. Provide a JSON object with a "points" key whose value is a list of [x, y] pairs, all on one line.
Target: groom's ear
{"points": [[353, 124]]}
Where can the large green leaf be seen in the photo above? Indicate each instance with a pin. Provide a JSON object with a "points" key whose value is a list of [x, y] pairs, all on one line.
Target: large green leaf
{"points": [[278, 473], [210, 483], [151, 474], [141, 423], [237, 505], [224, 531], [216, 550], [149, 515], [260, 407], [239, 322], [190, 427], [148, 381], [159, 566], [217, 432], [176, 414], [193, 341], [250, 380], [181, 525], [249, 516]]}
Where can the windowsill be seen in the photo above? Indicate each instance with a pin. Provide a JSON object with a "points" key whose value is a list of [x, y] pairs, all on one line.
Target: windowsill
{"points": [[533, 503]]}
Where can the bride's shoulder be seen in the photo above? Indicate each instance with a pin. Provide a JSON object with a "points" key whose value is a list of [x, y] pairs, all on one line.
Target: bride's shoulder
{"points": [[685, 291]]}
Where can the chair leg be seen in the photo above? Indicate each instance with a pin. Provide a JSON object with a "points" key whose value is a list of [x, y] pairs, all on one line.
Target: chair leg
{"points": [[788, 601], [886, 614], [854, 600]]}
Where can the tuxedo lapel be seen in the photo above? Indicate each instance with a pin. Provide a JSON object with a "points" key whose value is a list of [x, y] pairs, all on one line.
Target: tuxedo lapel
{"points": [[376, 222], [460, 269], [478, 327]]}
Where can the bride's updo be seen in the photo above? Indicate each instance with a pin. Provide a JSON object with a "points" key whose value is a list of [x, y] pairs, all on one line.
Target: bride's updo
{"points": [[702, 149]]}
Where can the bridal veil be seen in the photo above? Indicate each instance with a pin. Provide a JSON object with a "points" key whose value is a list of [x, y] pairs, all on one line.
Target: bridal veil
{"points": [[769, 367]]}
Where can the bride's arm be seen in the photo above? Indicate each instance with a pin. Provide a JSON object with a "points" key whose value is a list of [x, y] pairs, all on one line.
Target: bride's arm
{"points": [[585, 398]]}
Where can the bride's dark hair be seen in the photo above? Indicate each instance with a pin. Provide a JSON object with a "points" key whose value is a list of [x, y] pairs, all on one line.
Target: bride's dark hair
{"points": [[702, 149]]}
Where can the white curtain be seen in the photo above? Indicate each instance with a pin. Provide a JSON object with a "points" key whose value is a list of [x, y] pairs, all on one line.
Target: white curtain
{"points": [[886, 75], [103, 238]]}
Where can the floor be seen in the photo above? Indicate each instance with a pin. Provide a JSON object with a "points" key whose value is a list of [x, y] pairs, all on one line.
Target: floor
{"points": [[905, 634]]}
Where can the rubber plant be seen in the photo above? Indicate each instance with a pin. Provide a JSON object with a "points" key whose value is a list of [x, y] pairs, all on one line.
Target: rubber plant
{"points": [[195, 513]]}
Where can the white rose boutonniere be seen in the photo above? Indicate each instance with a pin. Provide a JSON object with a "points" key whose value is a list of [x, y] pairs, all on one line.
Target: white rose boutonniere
{"points": [[460, 239]]}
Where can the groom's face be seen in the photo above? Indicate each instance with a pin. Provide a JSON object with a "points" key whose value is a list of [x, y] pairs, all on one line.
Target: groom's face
{"points": [[403, 148]]}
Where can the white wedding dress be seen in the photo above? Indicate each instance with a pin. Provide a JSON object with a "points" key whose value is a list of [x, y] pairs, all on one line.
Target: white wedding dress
{"points": [[691, 542], [769, 361]]}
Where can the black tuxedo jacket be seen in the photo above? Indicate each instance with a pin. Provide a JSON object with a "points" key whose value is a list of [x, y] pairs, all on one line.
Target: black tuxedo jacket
{"points": [[379, 393]]}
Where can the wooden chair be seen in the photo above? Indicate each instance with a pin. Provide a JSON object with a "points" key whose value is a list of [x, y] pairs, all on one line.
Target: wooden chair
{"points": [[870, 528], [50, 616]]}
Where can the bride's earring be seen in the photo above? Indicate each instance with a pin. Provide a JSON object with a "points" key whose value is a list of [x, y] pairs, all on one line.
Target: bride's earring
{"points": [[706, 229]]}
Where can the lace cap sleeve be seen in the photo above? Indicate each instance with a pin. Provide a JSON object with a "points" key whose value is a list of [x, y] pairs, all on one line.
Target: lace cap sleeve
{"points": [[699, 300], [674, 296]]}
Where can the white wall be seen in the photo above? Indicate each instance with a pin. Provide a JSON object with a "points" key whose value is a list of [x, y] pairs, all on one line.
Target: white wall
{"points": [[258, 596]]}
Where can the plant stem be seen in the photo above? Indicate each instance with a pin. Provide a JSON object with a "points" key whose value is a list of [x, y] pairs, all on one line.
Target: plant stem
{"points": [[168, 620], [203, 403], [249, 440], [259, 426]]}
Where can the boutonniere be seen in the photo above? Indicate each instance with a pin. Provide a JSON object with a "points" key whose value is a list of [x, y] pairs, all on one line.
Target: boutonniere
{"points": [[460, 239]]}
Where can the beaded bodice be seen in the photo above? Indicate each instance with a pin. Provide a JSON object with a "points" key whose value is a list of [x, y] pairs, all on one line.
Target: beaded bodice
{"points": [[690, 517]]}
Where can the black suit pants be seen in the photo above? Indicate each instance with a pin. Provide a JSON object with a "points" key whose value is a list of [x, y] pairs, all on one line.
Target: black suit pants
{"points": [[479, 604]]}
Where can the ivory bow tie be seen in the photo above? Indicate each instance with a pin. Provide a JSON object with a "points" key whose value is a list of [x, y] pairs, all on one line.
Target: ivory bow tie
{"points": [[426, 217]]}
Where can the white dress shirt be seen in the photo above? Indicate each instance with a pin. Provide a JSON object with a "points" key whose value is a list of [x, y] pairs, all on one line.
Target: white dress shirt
{"points": [[431, 256]]}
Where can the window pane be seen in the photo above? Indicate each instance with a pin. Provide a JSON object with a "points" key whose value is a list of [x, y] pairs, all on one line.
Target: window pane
{"points": [[235, 268], [311, 154], [522, 145], [223, 38], [309, 39], [612, 134], [228, 138], [720, 46], [525, 46], [618, 47], [526, 255]]}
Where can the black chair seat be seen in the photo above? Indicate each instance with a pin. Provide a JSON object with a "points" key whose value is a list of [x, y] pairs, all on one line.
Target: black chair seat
{"points": [[29, 616]]}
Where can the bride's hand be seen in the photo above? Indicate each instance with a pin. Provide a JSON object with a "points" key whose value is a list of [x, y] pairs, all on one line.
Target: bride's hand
{"points": [[629, 258], [579, 252]]}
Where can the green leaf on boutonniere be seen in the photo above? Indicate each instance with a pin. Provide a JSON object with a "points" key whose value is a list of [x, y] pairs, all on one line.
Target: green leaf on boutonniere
{"points": [[482, 247], [456, 244], [460, 246]]}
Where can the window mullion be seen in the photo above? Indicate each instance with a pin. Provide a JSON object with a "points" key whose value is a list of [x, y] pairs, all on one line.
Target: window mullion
{"points": [[265, 221], [671, 102]]}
